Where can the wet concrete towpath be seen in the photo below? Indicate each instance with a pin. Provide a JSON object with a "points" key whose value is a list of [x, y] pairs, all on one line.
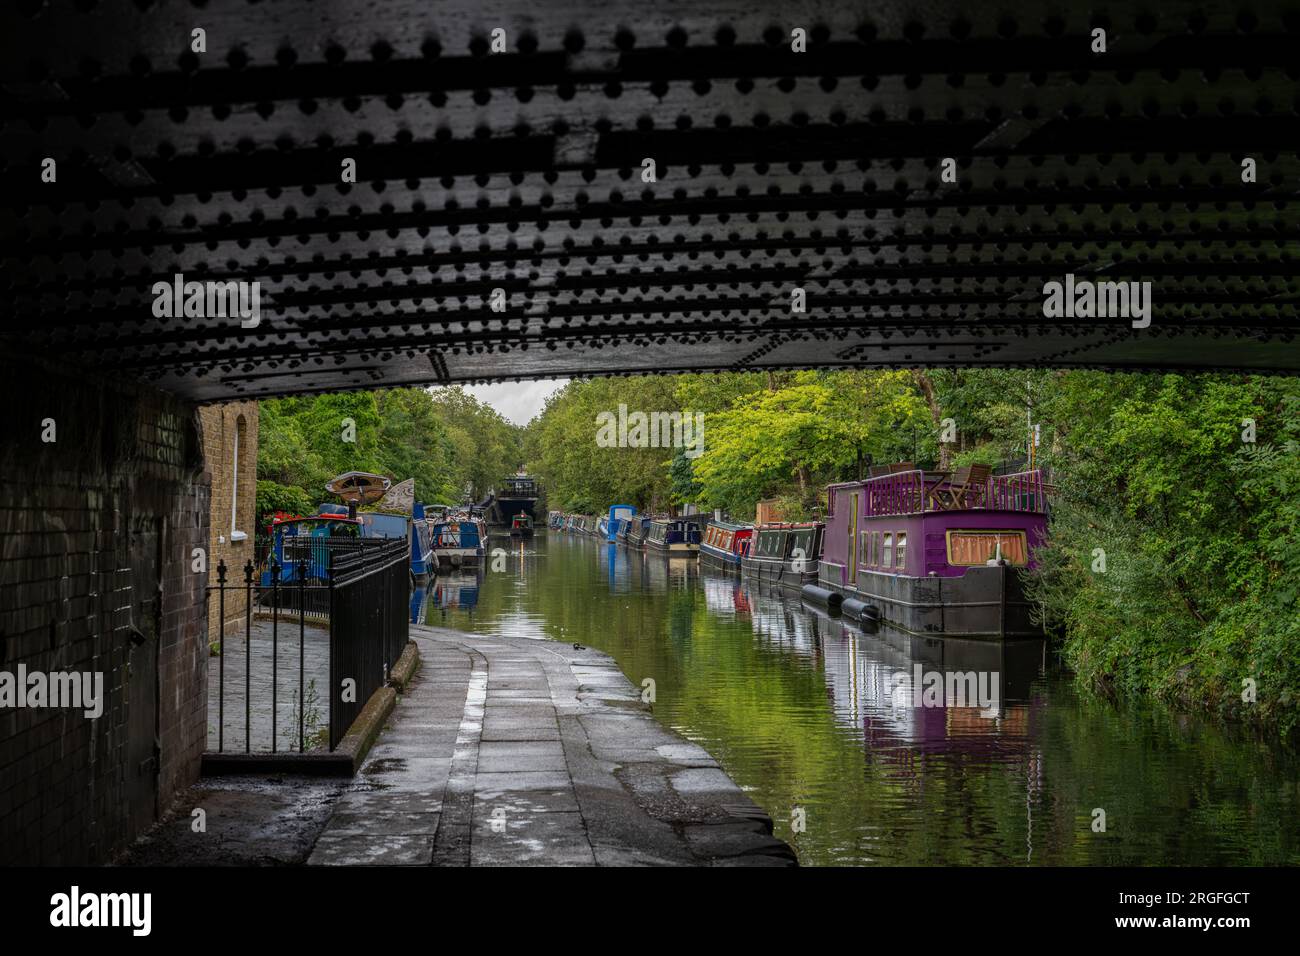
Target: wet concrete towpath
{"points": [[508, 751]]}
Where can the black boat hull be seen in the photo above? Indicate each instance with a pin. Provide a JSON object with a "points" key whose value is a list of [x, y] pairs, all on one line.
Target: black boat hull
{"points": [[782, 573], [986, 603]]}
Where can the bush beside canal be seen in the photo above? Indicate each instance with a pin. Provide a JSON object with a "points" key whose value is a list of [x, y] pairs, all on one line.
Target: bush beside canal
{"points": [[1174, 559]]}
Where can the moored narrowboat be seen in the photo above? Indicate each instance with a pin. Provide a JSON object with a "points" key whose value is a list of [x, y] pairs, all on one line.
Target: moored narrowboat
{"points": [[785, 553], [396, 514], [637, 529], [935, 553], [519, 492], [301, 546], [620, 516], [673, 536], [459, 540], [378, 524], [724, 545]]}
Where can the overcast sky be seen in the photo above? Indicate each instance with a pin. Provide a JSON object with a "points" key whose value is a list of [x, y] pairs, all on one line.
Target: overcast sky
{"points": [[517, 401]]}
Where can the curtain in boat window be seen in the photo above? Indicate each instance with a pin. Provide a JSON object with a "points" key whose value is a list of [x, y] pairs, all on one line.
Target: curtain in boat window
{"points": [[977, 547]]}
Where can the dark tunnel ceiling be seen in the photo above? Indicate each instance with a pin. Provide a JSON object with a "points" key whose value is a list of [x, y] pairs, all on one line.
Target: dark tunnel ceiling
{"points": [[521, 170]]}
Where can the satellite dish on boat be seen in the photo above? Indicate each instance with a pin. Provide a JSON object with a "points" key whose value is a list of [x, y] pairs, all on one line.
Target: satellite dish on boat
{"points": [[359, 486]]}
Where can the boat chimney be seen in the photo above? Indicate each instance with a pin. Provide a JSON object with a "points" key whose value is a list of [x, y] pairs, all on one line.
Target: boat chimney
{"points": [[352, 509]]}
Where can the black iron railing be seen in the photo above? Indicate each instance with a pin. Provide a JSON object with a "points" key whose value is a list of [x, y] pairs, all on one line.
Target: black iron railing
{"points": [[313, 648], [370, 593], [305, 560]]}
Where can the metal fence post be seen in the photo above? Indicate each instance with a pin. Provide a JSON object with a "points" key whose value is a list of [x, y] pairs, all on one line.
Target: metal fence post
{"points": [[302, 641], [248, 657], [275, 648], [221, 662], [333, 687]]}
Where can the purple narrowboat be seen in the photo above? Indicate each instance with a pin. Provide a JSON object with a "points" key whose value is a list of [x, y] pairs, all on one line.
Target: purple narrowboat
{"points": [[935, 553]]}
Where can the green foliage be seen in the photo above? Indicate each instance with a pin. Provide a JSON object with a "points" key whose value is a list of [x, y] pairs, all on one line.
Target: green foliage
{"points": [[273, 497], [1199, 531], [444, 439], [582, 476], [988, 453], [481, 447], [681, 476], [786, 433]]}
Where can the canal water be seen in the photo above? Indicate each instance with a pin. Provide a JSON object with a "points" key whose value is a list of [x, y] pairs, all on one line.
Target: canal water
{"points": [[858, 757]]}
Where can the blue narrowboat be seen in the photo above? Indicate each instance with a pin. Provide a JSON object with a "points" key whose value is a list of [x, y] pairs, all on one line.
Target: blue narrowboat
{"points": [[620, 516], [458, 541], [375, 524], [301, 546], [381, 524]]}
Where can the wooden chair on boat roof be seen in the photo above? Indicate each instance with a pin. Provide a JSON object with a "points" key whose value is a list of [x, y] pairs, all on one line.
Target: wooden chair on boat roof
{"points": [[965, 479], [876, 471]]}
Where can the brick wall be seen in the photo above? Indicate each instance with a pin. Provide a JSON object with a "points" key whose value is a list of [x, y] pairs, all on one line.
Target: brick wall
{"points": [[97, 531], [221, 425]]}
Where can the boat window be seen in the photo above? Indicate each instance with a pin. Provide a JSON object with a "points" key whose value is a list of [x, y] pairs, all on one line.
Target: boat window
{"points": [[887, 553], [864, 546], [900, 551], [967, 548]]}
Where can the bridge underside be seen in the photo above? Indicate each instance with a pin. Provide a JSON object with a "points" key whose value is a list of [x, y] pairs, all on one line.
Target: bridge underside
{"points": [[522, 171]]}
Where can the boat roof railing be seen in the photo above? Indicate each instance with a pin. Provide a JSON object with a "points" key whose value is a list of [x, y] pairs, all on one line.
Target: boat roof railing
{"points": [[917, 491], [730, 525]]}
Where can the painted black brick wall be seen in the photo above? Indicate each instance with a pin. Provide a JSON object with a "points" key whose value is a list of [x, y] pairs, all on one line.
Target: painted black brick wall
{"points": [[96, 535]]}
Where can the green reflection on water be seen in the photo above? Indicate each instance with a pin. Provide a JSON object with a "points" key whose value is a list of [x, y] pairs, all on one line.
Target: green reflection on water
{"points": [[804, 711]]}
